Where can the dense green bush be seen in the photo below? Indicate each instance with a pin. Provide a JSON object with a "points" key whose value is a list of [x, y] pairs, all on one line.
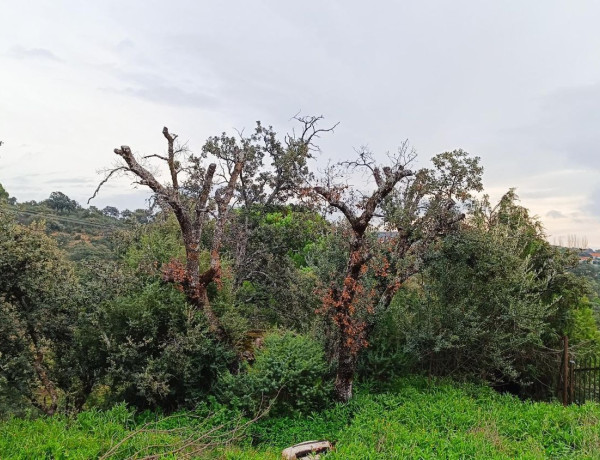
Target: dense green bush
{"points": [[158, 350], [37, 292], [481, 314], [274, 286], [290, 367], [386, 356], [491, 302]]}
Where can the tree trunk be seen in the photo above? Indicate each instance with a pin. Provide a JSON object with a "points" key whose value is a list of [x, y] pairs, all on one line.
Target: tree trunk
{"points": [[47, 384], [345, 372], [214, 323], [196, 291], [81, 398], [40, 369], [350, 333]]}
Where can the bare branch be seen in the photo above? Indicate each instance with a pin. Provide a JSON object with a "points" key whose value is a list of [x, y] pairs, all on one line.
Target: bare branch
{"points": [[213, 436], [105, 180], [392, 178], [309, 129], [171, 160], [333, 199], [222, 198], [201, 208], [156, 156]]}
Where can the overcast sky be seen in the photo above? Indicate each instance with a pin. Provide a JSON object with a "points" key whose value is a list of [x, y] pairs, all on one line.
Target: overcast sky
{"points": [[516, 83]]}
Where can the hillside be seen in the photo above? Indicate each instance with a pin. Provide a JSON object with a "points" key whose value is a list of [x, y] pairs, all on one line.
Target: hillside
{"points": [[83, 233]]}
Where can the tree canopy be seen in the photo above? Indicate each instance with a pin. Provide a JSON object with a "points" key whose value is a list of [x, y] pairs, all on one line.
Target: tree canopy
{"points": [[251, 268]]}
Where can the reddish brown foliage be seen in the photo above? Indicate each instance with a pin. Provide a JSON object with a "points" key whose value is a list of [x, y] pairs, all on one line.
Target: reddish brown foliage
{"points": [[175, 272]]}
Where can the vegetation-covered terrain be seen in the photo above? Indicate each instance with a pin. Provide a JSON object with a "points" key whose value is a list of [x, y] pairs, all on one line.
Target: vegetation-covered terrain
{"points": [[236, 316], [410, 418]]}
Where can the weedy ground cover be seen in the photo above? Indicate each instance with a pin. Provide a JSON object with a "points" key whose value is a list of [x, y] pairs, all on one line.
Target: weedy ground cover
{"points": [[410, 418]]}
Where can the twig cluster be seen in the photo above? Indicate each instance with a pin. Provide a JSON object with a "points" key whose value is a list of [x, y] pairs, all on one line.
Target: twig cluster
{"points": [[190, 443]]}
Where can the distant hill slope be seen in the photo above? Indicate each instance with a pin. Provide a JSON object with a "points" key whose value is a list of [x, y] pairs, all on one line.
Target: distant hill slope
{"points": [[83, 233]]}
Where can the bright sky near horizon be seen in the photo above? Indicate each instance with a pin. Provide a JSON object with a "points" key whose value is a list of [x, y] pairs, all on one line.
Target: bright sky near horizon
{"points": [[516, 83]]}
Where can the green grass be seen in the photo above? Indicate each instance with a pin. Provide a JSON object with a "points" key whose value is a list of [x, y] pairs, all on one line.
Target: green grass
{"points": [[466, 422], [409, 420]]}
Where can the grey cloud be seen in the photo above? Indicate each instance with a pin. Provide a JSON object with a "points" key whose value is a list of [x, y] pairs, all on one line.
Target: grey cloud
{"points": [[593, 206], [155, 89], [568, 123], [123, 45], [25, 178], [553, 214], [171, 95], [20, 52], [537, 193], [70, 180]]}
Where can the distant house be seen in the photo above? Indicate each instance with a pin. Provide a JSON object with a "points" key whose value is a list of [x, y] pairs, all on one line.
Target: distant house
{"points": [[589, 256], [385, 236]]}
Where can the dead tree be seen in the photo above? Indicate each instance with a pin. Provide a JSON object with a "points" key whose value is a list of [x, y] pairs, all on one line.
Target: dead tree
{"points": [[191, 200], [418, 207], [194, 193]]}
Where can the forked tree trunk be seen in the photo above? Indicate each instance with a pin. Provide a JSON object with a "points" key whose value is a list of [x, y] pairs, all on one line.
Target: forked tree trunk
{"points": [[196, 289], [191, 224], [340, 304]]}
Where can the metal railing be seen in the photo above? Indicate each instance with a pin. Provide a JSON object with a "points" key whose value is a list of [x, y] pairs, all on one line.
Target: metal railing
{"points": [[584, 379], [578, 378]]}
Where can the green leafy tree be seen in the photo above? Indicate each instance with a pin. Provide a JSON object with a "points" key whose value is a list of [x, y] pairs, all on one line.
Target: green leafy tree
{"points": [[274, 285], [5, 197], [37, 288], [61, 203], [139, 216], [3, 194], [493, 300], [111, 211]]}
